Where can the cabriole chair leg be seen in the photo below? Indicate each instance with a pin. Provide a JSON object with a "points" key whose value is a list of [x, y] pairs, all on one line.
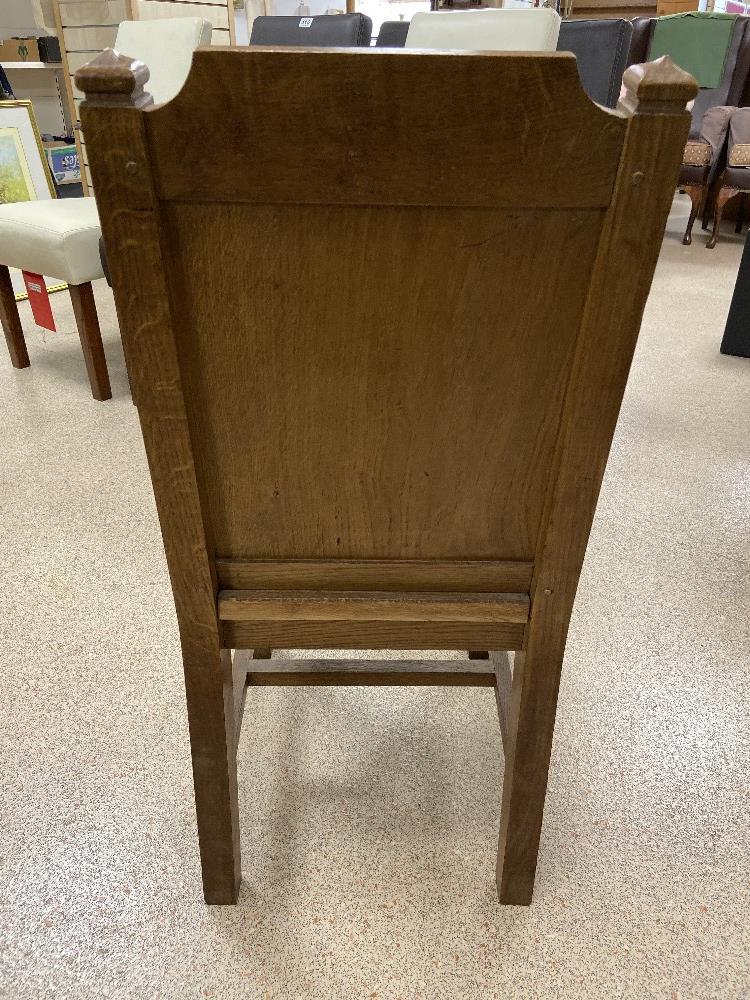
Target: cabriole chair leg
{"points": [[724, 195], [11, 321], [697, 193]]}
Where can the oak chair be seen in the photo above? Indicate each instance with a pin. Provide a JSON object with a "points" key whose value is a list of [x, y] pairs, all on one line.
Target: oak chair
{"points": [[350, 445]]}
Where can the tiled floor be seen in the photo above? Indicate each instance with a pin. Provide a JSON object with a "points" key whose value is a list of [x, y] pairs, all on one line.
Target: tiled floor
{"points": [[370, 816]]}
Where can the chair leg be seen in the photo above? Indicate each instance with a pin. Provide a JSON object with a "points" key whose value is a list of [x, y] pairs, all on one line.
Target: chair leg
{"points": [[740, 214], [724, 195], [697, 194], [11, 321], [531, 723], [84, 307], [211, 718]]}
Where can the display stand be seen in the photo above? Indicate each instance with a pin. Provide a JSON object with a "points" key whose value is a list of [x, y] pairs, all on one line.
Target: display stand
{"points": [[736, 340]]}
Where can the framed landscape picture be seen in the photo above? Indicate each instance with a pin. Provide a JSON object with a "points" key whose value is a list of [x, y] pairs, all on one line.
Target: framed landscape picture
{"points": [[24, 172]]}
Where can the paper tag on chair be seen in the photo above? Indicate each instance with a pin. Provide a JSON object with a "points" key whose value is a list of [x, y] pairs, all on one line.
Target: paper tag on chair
{"points": [[41, 307]]}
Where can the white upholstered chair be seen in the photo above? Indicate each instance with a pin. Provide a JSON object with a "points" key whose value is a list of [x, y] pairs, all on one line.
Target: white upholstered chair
{"points": [[531, 29], [60, 238]]}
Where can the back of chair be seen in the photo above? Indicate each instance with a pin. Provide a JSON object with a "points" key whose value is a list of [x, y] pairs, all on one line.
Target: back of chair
{"points": [[734, 77], [533, 29], [601, 49], [392, 34], [166, 46], [350, 443], [336, 30]]}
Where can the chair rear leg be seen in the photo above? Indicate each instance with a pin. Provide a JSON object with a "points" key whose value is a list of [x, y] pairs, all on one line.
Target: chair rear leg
{"points": [[697, 194], [87, 321], [531, 723], [11, 322], [724, 195], [740, 214], [211, 718]]}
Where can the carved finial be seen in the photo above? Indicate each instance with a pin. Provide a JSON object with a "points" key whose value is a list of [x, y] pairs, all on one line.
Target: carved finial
{"points": [[657, 88], [114, 80]]}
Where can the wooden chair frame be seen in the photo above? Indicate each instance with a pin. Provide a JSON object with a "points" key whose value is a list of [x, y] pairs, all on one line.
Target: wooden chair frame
{"points": [[366, 166]]}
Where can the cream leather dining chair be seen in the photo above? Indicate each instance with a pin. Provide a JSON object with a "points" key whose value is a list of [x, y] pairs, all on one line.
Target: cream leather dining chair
{"points": [[532, 29], [59, 238]]}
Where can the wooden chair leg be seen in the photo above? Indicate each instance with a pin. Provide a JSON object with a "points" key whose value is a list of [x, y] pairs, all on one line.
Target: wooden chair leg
{"points": [[724, 195], [211, 705], [11, 321], [84, 307], [530, 727], [697, 194], [740, 213]]}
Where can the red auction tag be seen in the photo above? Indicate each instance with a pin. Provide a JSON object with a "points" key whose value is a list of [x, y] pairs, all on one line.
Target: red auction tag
{"points": [[39, 300]]}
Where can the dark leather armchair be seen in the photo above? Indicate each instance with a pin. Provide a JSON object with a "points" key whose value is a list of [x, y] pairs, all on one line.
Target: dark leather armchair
{"points": [[392, 34], [706, 147], [601, 49], [735, 178], [324, 30]]}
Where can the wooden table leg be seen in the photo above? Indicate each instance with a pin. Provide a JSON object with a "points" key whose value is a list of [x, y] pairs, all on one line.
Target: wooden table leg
{"points": [[84, 307], [11, 322]]}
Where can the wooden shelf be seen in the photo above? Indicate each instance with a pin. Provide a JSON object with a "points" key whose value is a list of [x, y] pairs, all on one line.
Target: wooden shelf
{"points": [[31, 65]]}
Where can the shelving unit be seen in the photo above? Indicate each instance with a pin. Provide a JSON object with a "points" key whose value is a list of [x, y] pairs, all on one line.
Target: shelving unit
{"points": [[53, 108], [31, 65]]}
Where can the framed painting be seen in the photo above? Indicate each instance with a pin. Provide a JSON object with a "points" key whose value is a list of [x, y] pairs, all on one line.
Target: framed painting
{"points": [[24, 172]]}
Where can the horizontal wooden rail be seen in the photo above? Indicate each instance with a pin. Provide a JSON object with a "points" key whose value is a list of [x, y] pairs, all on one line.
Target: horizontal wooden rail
{"points": [[416, 575], [368, 606], [366, 673]]}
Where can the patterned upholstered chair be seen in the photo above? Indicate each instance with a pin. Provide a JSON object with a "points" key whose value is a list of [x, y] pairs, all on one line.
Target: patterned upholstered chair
{"points": [[735, 178], [705, 145]]}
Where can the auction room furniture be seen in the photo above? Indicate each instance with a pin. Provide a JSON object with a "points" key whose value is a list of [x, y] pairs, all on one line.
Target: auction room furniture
{"points": [[340, 30], [85, 27], [352, 445], [735, 178], [601, 49], [702, 159], [60, 238], [392, 34], [736, 339], [530, 29]]}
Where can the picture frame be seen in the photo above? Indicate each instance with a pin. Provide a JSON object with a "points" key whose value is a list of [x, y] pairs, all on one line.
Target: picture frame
{"points": [[24, 171]]}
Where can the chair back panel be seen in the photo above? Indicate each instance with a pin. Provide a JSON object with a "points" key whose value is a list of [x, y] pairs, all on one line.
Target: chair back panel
{"points": [[335, 30], [374, 382], [533, 29], [166, 46], [601, 49], [272, 144], [370, 326]]}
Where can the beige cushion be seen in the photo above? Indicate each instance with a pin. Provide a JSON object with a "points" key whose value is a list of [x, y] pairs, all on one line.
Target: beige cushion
{"points": [[166, 46], [532, 29], [739, 155], [739, 138], [56, 237], [697, 153]]}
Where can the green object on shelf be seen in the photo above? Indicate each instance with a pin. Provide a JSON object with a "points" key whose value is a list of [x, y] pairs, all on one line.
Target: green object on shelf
{"points": [[697, 41]]}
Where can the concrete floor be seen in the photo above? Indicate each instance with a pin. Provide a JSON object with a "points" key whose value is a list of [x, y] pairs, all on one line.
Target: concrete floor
{"points": [[370, 816]]}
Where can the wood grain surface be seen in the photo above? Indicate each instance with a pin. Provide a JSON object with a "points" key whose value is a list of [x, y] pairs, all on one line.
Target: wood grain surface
{"points": [[533, 138], [387, 322]]}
